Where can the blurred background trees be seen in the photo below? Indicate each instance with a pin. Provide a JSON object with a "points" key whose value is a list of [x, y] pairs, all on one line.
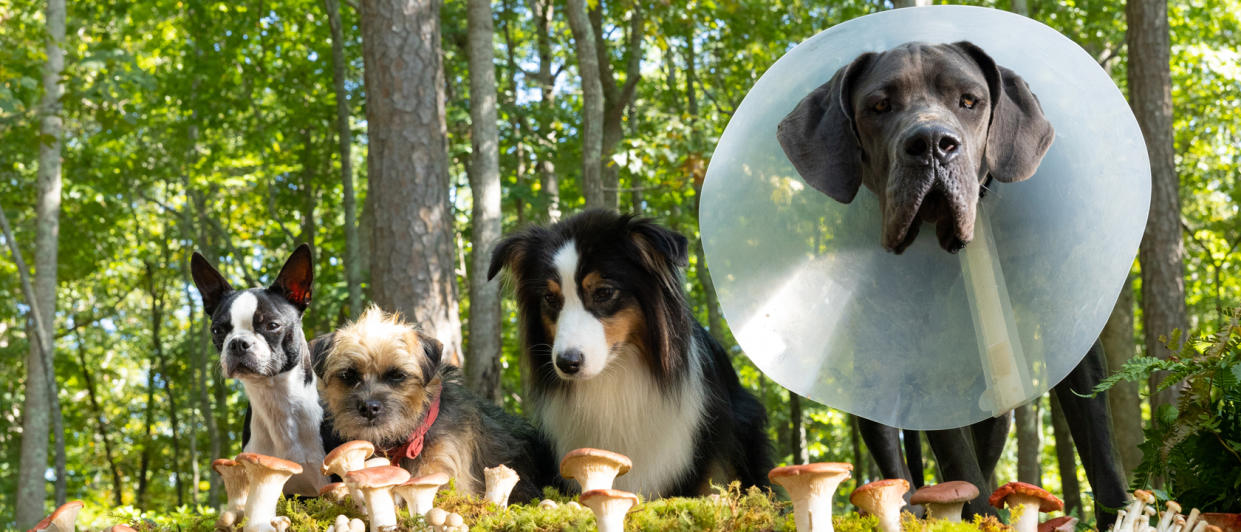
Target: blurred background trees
{"points": [[242, 128]]}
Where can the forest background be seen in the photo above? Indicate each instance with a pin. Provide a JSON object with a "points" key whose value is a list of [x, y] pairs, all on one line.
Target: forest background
{"points": [[400, 139]]}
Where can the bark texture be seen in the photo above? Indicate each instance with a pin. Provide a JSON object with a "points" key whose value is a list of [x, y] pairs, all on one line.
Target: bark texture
{"points": [[549, 183], [344, 139], [616, 98], [592, 105], [40, 397], [412, 247], [482, 361], [1122, 399], [1162, 253], [1029, 444]]}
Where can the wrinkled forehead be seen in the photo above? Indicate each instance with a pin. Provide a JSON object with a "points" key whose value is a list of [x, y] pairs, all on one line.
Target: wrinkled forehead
{"points": [[919, 68]]}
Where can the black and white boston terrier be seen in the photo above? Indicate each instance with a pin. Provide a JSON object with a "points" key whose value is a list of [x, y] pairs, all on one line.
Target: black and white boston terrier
{"points": [[258, 333]]}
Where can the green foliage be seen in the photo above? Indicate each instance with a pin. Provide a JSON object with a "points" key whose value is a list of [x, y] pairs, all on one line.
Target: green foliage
{"points": [[1194, 447]]}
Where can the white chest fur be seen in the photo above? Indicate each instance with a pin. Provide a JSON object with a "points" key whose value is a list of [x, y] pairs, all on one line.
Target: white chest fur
{"points": [[624, 410], [284, 422]]}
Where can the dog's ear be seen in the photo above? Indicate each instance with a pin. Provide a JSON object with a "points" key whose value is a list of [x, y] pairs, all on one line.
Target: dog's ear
{"points": [[658, 244], [508, 254], [1019, 135], [319, 349], [433, 354], [295, 278], [819, 138], [212, 286]]}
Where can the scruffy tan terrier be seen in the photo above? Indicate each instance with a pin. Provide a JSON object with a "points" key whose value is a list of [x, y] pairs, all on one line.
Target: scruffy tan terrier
{"points": [[385, 382]]}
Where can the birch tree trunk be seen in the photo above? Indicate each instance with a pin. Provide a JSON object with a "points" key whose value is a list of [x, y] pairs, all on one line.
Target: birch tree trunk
{"points": [[592, 104], [412, 247], [1161, 253], [482, 366], [40, 400], [344, 138]]}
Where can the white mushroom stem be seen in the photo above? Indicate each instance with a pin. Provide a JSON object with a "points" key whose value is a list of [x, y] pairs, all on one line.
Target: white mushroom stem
{"points": [[381, 507], [1171, 510], [947, 511], [500, 483], [1027, 521], [1191, 521], [261, 502], [1201, 526], [341, 524], [1120, 519], [1132, 513], [281, 523]]}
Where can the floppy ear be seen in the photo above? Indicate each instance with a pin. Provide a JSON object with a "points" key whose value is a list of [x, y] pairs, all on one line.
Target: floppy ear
{"points": [[212, 286], [508, 253], [295, 278], [433, 351], [659, 244], [1019, 135], [819, 138]]}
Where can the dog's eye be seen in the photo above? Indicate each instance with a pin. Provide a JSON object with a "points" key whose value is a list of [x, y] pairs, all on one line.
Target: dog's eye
{"points": [[551, 299], [217, 330], [603, 294], [349, 377], [273, 325], [395, 376], [968, 101], [881, 106]]}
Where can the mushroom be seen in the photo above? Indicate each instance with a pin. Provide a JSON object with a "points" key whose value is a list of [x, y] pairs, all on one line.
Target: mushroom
{"points": [[594, 468], [944, 500], [548, 504], [1032, 500], [436, 517], [62, 519], [356, 525], [1064, 523], [500, 482], [883, 499], [227, 520], [377, 461], [235, 485], [335, 492], [1170, 511], [573, 505], [281, 523], [811, 486], [454, 521], [375, 484], [349, 456], [266, 476], [341, 524], [610, 507], [419, 493]]}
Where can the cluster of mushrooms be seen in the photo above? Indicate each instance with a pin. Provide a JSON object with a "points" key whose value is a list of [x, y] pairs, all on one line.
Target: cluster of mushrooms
{"points": [[254, 483], [811, 487], [1136, 517]]}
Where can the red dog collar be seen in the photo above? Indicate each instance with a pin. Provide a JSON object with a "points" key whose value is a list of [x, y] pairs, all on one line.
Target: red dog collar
{"points": [[413, 447]]}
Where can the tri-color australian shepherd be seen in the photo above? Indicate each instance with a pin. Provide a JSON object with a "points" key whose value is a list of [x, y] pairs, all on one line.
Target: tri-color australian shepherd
{"points": [[613, 358]]}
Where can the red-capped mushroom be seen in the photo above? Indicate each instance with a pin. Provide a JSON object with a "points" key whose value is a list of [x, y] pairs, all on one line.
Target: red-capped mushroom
{"points": [[945, 500], [62, 519], [1030, 499], [346, 457], [882, 499], [375, 484], [1064, 523], [419, 493], [236, 487]]}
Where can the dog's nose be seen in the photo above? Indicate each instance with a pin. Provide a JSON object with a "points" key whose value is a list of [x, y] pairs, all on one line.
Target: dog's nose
{"points": [[239, 346], [370, 409], [931, 141], [570, 361]]}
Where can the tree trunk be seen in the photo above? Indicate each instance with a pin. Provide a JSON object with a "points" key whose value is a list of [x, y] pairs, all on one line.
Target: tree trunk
{"points": [[1123, 399], [344, 137], [592, 105], [797, 431], [157, 350], [1066, 459], [696, 169], [144, 462], [412, 255], [548, 180], [1029, 444], [307, 189], [41, 400], [616, 99], [1162, 253], [482, 367]]}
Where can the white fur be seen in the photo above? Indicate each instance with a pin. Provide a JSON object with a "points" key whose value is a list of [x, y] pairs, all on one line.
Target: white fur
{"points": [[285, 411], [576, 328], [624, 410], [241, 317]]}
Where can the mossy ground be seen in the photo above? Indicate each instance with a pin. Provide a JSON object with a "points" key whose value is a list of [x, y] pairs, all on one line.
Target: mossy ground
{"points": [[729, 509]]}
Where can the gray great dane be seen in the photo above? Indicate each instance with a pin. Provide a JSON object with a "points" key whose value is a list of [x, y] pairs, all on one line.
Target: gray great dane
{"points": [[927, 128]]}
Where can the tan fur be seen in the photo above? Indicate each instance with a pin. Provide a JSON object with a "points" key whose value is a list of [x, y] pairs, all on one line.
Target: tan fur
{"points": [[453, 455], [626, 326]]}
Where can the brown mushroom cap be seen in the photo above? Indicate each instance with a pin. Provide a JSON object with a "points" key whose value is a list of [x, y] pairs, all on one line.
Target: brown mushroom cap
{"points": [[588, 455], [59, 513], [335, 489], [1049, 502], [874, 488], [1054, 523], [434, 479], [220, 465], [359, 448], [606, 495], [816, 469], [377, 477], [270, 462], [945, 492]]}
